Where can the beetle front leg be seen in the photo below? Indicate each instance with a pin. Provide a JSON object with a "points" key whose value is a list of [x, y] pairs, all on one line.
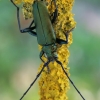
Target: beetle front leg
{"points": [[60, 41]]}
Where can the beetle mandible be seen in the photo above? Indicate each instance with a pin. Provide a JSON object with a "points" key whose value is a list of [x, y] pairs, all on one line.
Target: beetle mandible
{"points": [[46, 36]]}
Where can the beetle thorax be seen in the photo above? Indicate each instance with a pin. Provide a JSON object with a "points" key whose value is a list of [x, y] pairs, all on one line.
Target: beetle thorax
{"points": [[50, 51]]}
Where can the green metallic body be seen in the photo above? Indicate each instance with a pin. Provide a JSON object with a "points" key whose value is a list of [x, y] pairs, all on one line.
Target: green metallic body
{"points": [[44, 29]]}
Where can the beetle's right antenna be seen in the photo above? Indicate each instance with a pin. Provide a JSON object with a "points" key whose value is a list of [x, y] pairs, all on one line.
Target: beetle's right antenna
{"points": [[70, 79]]}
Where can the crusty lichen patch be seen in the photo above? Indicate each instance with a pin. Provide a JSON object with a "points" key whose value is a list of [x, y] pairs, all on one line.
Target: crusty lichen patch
{"points": [[54, 85]]}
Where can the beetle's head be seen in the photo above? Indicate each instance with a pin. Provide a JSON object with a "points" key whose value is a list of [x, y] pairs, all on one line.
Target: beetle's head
{"points": [[50, 51]]}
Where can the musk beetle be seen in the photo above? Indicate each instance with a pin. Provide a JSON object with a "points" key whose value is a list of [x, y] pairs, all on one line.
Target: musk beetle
{"points": [[46, 36]]}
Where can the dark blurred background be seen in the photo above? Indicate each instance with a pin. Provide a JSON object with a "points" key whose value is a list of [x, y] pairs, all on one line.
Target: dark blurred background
{"points": [[19, 54]]}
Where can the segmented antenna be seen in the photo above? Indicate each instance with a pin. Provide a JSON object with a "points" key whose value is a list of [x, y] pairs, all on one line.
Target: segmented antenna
{"points": [[70, 79], [35, 79]]}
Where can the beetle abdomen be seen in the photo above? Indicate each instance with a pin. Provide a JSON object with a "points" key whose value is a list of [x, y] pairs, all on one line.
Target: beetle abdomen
{"points": [[44, 29]]}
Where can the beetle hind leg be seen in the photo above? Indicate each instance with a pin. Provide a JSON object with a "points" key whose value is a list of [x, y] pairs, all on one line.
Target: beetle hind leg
{"points": [[55, 13], [54, 16], [30, 28]]}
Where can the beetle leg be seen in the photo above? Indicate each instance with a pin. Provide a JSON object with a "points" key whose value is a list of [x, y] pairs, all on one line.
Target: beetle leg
{"points": [[41, 54], [29, 29], [31, 23], [55, 13], [54, 16], [32, 33], [60, 41], [67, 34]]}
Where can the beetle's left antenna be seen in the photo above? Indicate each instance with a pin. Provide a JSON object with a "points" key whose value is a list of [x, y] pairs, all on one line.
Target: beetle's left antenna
{"points": [[69, 79]]}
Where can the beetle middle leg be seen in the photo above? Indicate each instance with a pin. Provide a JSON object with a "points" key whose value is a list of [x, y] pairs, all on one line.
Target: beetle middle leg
{"points": [[29, 29], [60, 41]]}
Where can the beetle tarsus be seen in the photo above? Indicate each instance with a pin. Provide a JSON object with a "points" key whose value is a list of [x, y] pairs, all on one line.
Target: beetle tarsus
{"points": [[55, 13], [48, 69], [27, 29]]}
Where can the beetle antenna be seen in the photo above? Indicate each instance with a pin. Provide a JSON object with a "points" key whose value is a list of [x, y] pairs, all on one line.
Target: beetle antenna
{"points": [[35, 79], [70, 79]]}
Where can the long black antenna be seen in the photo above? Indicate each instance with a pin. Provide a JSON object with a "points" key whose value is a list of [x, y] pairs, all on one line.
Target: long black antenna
{"points": [[70, 79], [35, 79]]}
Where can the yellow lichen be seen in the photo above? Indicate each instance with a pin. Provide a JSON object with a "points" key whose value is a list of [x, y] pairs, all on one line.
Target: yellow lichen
{"points": [[54, 85], [27, 10]]}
